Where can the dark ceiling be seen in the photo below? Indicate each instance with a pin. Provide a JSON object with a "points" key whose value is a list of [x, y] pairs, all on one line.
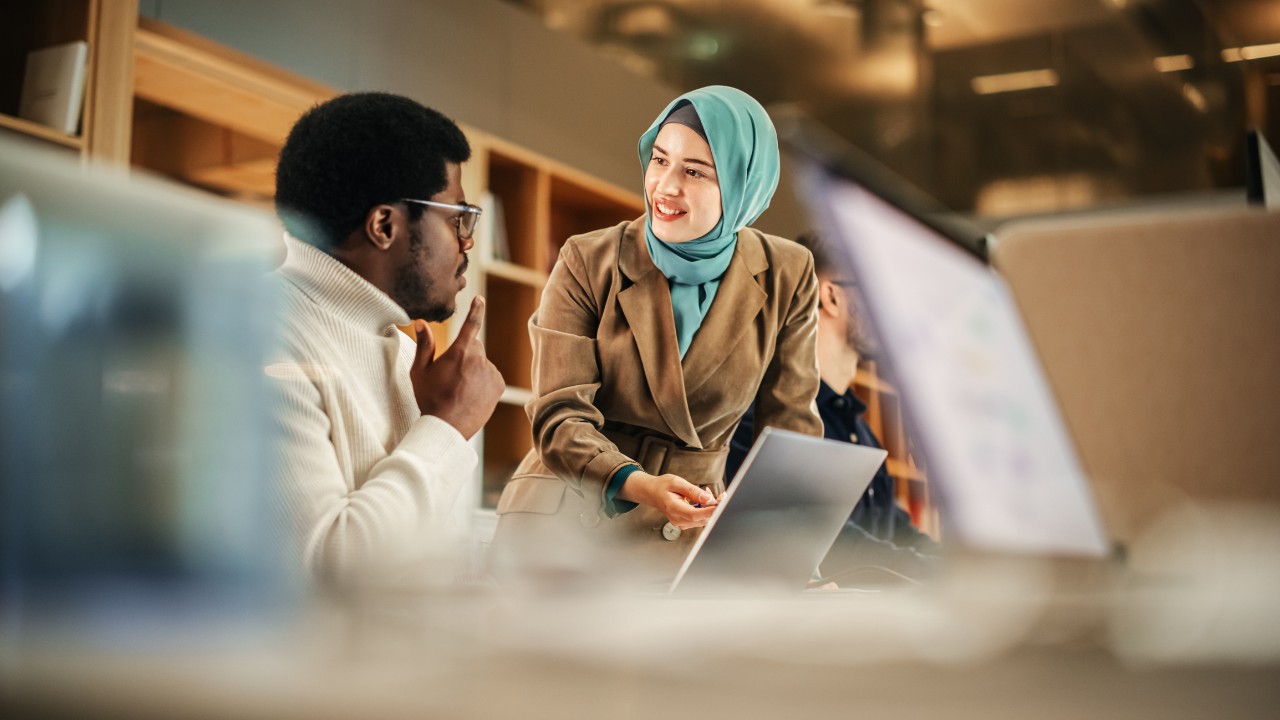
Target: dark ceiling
{"points": [[996, 107]]}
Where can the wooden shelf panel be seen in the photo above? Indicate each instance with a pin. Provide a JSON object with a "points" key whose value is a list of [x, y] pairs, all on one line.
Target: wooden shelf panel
{"points": [[516, 273], [512, 395], [41, 132], [198, 152], [506, 336], [903, 470], [507, 439], [185, 72]]}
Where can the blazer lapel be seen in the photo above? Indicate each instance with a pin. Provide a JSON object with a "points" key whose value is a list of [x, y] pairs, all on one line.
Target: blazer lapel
{"points": [[736, 304], [646, 304]]}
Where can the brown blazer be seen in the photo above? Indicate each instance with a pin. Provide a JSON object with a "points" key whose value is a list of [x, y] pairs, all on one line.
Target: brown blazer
{"points": [[610, 388]]}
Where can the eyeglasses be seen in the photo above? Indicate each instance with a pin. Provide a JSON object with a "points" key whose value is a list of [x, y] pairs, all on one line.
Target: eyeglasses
{"points": [[465, 222]]}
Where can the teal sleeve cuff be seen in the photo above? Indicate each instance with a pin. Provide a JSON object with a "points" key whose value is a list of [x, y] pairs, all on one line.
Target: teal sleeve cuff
{"points": [[612, 506]]}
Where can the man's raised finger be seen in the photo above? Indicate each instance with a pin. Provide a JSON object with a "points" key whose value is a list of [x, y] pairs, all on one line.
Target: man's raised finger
{"points": [[471, 326], [426, 352]]}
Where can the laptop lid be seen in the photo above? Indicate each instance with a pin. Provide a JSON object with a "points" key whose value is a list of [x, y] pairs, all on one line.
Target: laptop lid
{"points": [[780, 515], [986, 425]]}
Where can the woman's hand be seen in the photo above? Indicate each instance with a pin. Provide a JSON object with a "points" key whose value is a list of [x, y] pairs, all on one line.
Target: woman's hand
{"points": [[686, 505]]}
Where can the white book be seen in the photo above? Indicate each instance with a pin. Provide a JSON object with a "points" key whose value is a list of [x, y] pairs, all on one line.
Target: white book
{"points": [[53, 86]]}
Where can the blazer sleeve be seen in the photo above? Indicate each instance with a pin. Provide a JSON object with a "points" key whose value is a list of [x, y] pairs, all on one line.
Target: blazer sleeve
{"points": [[789, 388], [566, 377]]}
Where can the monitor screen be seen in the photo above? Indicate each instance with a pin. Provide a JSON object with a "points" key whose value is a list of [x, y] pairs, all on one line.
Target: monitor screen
{"points": [[133, 326], [984, 420]]}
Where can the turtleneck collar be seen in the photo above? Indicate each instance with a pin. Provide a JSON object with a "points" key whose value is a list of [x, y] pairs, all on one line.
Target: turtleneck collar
{"points": [[338, 289]]}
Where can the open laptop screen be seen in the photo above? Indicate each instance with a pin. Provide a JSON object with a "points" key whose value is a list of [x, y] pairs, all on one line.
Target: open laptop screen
{"points": [[780, 515], [987, 427]]}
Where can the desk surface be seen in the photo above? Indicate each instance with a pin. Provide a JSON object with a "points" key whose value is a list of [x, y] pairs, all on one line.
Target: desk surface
{"points": [[950, 653]]}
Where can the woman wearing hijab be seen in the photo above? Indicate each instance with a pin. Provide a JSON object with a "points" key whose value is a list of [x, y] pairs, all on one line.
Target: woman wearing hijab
{"points": [[651, 340]]}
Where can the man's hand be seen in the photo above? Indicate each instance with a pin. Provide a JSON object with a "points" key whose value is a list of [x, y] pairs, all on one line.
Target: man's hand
{"points": [[461, 386], [686, 505]]}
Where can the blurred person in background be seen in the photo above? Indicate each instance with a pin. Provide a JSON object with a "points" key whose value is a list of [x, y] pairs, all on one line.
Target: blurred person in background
{"points": [[879, 533], [651, 340], [372, 426]]}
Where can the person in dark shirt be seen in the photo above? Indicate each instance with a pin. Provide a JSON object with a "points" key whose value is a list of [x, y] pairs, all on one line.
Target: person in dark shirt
{"points": [[879, 533]]}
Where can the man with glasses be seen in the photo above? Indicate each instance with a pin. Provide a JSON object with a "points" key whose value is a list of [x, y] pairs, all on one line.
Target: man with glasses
{"points": [[879, 534], [372, 427]]}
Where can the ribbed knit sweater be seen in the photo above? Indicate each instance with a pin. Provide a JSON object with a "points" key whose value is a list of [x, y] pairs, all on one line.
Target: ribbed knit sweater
{"points": [[366, 479]]}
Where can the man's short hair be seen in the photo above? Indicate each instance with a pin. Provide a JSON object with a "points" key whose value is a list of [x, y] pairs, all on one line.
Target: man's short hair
{"points": [[822, 261], [353, 152]]}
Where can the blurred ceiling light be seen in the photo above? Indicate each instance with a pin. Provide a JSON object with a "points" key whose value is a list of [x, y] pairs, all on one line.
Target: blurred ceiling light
{"points": [[645, 20], [557, 19], [1009, 82], [837, 7], [1250, 52], [1195, 97], [703, 46], [932, 17], [1173, 63]]}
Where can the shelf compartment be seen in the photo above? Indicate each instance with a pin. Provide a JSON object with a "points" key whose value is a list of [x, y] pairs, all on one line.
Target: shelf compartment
{"points": [[200, 153], [521, 189], [33, 26], [507, 438], [578, 207], [509, 305]]}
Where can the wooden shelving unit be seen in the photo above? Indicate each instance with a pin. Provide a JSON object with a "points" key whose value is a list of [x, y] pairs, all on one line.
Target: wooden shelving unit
{"points": [[209, 116], [537, 204], [107, 27], [884, 416]]}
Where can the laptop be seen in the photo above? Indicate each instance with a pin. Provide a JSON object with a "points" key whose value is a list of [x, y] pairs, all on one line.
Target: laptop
{"points": [[1002, 465], [780, 515]]}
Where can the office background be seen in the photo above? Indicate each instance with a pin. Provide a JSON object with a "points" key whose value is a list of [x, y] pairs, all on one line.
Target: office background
{"points": [[997, 108], [556, 104]]}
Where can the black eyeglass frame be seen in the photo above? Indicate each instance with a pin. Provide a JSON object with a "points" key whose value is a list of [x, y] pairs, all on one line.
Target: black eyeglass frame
{"points": [[465, 223]]}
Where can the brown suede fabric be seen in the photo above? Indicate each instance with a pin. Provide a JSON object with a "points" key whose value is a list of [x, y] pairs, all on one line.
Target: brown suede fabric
{"points": [[610, 388]]}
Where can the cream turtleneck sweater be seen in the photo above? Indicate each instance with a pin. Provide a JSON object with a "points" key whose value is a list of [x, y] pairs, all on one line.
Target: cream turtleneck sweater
{"points": [[367, 480]]}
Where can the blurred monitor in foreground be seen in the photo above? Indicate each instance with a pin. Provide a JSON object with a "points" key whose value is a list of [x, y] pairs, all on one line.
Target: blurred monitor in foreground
{"points": [[133, 324], [974, 396]]}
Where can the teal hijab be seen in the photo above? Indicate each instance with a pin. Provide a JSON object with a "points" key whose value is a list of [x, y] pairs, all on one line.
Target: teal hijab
{"points": [[744, 147]]}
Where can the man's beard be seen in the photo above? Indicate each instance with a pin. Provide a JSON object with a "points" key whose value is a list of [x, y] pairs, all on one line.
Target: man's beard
{"points": [[412, 290], [860, 339]]}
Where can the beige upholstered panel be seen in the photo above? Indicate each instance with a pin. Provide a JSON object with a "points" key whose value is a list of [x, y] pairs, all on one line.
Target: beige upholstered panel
{"points": [[1160, 335]]}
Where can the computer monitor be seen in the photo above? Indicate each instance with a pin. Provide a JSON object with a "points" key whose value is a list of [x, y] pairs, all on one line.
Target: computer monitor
{"points": [[133, 327], [975, 399], [1262, 171]]}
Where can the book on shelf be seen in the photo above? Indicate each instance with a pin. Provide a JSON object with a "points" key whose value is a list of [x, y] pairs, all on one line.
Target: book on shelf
{"points": [[494, 227], [53, 86]]}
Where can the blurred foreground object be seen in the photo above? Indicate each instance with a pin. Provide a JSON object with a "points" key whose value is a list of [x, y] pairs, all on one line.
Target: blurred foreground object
{"points": [[133, 323]]}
